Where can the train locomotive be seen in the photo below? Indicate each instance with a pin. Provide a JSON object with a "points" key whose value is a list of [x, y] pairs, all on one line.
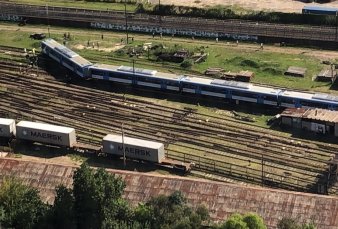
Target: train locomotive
{"points": [[231, 90]]}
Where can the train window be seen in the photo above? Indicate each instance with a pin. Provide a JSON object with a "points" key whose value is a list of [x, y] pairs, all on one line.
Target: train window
{"points": [[313, 104], [212, 89], [192, 86], [97, 72], [68, 62], [171, 83], [244, 94], [149, 79]]}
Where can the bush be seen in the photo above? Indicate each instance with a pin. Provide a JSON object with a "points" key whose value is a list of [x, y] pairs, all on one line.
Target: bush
{"points": [[186, 64]]}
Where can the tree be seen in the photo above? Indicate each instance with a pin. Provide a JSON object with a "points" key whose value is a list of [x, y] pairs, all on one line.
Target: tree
{"points": [[21, 205], [290, 223], [98, 199], [235, 221], [171, 212], [254, 221], [248, 221], [62, 212]]}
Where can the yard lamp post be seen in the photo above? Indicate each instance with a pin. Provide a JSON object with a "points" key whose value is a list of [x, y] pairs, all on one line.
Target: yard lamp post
{"points": [[336, 25], [124, 150], [125, 13]]}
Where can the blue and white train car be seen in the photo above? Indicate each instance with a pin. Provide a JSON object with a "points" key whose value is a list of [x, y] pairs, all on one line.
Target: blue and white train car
{"points": [[307, 100], [135, 76], [230, 90], [66, 57]]}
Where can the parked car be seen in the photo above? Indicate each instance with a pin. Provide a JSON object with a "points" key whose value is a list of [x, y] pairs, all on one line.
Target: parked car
{"points": [[37, 36]]}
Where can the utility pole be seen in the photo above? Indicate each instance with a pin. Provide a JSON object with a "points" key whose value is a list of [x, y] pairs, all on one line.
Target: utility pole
{"points": [[124, 150], [47, 19], [336, 26], [125, 13], [133, 66], [262, 170]]}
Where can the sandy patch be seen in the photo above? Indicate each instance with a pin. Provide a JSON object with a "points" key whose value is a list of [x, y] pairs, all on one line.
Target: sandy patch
{"points": [[98, 48], [270, 5]]}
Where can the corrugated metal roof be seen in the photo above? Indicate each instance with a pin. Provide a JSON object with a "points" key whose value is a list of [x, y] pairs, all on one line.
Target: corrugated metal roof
{"points": [[221, 199], [46, 127], [313, 114], [133, 141]]}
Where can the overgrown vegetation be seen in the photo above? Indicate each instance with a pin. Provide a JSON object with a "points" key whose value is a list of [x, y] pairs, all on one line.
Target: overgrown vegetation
{"points": [[96, 201]]}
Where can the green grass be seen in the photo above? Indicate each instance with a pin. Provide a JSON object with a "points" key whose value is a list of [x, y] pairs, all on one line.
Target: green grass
{"points": [[267, 66], [79, 4]]}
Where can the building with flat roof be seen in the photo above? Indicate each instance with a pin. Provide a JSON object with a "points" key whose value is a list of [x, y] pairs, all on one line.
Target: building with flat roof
{"points": [[316, 120]]}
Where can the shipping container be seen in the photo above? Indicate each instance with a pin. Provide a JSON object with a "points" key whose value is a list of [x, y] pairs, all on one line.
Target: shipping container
{"points": [[46, 133], [134, 148], [7, 127]]}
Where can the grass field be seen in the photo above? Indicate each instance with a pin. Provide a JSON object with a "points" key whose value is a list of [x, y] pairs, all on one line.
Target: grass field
{"points": [[80, 4], [268, 66]]}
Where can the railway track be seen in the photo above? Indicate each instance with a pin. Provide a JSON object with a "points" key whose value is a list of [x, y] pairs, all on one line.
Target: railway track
{"points": [[169, 23], [217, 144]]}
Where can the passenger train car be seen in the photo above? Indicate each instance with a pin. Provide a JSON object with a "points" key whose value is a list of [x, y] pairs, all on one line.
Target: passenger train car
{"points": [[231, 90]]}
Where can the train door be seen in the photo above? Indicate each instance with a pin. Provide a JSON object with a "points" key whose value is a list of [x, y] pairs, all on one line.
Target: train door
{"points": [[260, 99]]}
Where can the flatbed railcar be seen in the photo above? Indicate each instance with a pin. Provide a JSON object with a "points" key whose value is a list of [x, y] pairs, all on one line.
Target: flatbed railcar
{"points": [[61, 136], [231, 90]]}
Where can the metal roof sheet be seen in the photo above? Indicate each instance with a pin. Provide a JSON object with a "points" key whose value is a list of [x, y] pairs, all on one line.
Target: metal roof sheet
{"points": [[45, 127], [221, 199], [313, 114], [133, 141], [5, 121]]}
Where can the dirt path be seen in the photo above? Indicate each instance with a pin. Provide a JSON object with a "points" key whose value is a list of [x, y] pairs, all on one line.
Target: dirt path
{"points": [[271, 5]]}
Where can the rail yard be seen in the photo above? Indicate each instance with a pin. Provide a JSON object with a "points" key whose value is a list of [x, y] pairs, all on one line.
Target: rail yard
{"points": [[218, 145], [264, 112]]}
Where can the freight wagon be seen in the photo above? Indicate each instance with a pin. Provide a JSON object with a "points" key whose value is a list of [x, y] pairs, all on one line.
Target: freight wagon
{"points": [[133, 148], [46, 133], [7, 128]]}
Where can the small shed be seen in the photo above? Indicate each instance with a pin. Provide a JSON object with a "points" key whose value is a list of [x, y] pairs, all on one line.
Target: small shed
{"points": [[317, 120], [245, 76], [326, 75], [295, 71]]}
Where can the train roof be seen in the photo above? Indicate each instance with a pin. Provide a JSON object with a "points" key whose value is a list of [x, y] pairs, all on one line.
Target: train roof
{"points": [[320, 8], [45, 127], [232, 84], [320, 97], [79, 60], [162, 75], [133, 141], [71, 55], [51, 43]]}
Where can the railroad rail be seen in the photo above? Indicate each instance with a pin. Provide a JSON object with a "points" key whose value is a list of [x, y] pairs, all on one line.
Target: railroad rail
{"points": [[216, 145], [171, 24]]}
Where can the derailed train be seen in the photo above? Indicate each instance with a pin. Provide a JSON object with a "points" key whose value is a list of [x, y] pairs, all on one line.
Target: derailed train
{"points": [[231, 90], [112, 144]]}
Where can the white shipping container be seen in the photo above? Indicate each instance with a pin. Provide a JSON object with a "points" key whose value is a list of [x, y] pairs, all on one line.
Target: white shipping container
{"points": [[46, 133], [7, 127], [134, 148]]}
